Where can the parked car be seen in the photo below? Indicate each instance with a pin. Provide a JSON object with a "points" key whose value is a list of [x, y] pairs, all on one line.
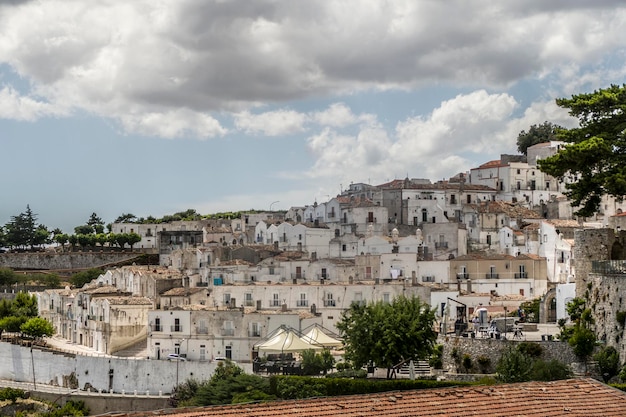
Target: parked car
{"points": [[176, 357]]}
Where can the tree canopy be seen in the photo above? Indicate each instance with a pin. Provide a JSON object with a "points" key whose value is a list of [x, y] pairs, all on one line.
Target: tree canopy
{"points": [[388, 334], [544, 132], [594, 162]]}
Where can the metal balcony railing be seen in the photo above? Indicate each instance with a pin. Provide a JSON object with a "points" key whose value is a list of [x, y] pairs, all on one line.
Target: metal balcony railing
{"points": [[520, 275], [492, 275]]}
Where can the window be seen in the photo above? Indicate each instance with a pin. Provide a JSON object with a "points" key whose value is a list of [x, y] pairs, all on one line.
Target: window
{"points": [[519, 172], [368, 272], [489, 239], [424, 215], [229, 352], [343, 247], [302, 301], [453, 199], [358, 298], [519, 185], [275, 301], [157, 324], [255, 330], [202, 327], [202, 352], [177, 326], [228, 329], [248, 299], [324, 274], [386, 297], [177, 348], [226, 298], [329, 301]]}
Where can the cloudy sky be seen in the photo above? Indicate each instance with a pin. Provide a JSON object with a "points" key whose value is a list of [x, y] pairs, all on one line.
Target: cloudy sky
{"points": [[153, 107]]}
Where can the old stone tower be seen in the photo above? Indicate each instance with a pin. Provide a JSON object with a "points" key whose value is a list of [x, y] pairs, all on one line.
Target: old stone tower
{"points": [[600, 265]]}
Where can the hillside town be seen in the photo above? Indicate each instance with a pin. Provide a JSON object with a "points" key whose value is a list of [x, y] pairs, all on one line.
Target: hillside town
{"points": [[490, 239]]}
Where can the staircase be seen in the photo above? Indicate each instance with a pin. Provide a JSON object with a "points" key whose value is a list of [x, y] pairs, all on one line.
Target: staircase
{"points": [[420, 368], [138, 350]]}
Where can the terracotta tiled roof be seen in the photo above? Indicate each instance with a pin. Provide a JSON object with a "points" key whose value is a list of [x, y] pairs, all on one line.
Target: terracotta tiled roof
{"points": [[182, 291], [439, 185], [492, 164], [573, 397], [508, 208], [135, 301]]}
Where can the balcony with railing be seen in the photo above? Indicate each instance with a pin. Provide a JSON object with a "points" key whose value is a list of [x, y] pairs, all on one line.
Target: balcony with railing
{"points": [[441, 245], [521, 275], [462, 275], [492, 275], [202, 330], [329, 303], [274, 303], [302, 303], [228, 332], [254, 333], [298, 275], [176, 328], [156, 328], [248, 303]]}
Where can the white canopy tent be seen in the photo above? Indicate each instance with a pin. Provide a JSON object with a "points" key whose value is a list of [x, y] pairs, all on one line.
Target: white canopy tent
{"points": [[317, 337], [286, 340]]}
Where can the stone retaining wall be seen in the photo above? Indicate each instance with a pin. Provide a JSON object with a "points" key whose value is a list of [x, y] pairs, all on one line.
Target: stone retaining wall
{"points": [[489, 352], [63, 261]]}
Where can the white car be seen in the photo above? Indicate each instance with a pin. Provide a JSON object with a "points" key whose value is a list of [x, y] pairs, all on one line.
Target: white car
{"points": [[175, 357]]}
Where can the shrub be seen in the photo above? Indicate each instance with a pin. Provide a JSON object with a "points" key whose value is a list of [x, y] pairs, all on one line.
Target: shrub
{"points": [[436, 358], [534, 350], [467, 363], [551, 370], [11, 394]]}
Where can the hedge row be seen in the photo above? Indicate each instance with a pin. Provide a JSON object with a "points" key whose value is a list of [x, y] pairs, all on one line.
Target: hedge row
{"points": [[326, 387]]}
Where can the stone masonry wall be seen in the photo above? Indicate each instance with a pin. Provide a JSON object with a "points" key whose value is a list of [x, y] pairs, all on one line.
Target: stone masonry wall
{"points": [[493, 349], [591, 245], [607, 298], [63, 261]]}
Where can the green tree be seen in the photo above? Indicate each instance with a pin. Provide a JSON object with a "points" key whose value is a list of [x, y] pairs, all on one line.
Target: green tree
{"points": [[531, 310], [12, 323], [37, 327], [388, 334], [514, 366], [24, 305], [7, 276], [84, 229], [20, 231], [594, 161], [61, 239], [132, 239], [551, 370], [313, 363], [582, 339], [3, 237], [126, 218], [228, 385], [42, 236], [81, 278], [608, 362], [544, 132], [96, 223]]}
